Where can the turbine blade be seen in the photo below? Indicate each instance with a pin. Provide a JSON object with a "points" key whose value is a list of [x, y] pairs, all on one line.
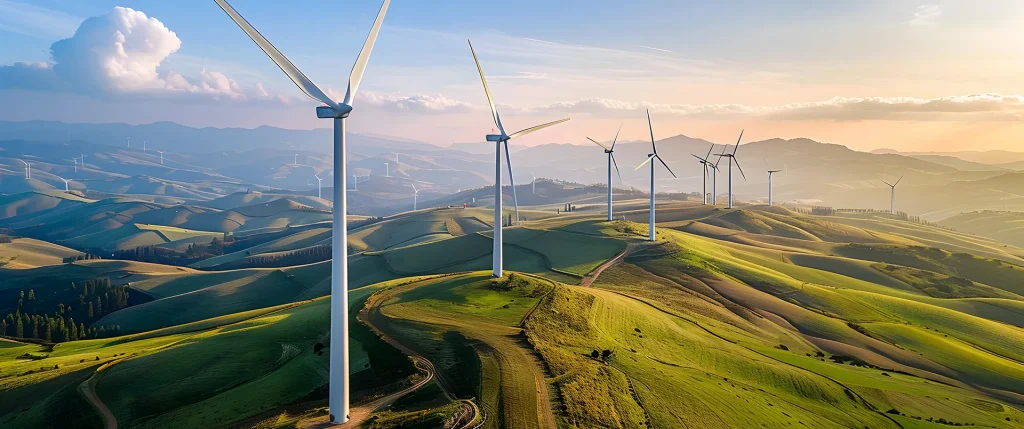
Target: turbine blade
{"points": [[651, 127], [598, 143], [307, 86], [616, 137], [699, 158], [738, 142], [649, 158], [616, 167], [898, 181], [709, 151], [487, 90], [364, 55], [521, 133], [887, 183], [511, 179], [737, 161], [666, 166]]}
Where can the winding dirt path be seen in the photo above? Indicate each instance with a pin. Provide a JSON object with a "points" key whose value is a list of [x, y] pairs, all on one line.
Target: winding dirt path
{"points": [[88, 389], [591, 276]]}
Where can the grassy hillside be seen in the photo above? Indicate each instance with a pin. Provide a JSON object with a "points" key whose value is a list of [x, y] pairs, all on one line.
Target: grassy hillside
{"points": [[23, 253]]}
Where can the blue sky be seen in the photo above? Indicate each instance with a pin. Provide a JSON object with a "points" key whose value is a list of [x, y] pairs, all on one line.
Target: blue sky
{"points": [[868, 74]]}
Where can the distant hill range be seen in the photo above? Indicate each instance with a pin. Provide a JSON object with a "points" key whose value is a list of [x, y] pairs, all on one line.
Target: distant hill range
{"points": [[204, 164]]}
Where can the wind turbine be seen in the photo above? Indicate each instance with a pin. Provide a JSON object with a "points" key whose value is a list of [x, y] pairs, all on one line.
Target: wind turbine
{"points": [[296, 161], [355, 182], [611, 161], [143, 145], [892, 195], [387, 170], [319, 186], [75, 160], [415, 194], [129, 142], [649, 158], [732, 157], [65, 183], [705, 163], [28, 169], [534, 182], [502, 140], [161, 156], [770, 172], [338, 396]]}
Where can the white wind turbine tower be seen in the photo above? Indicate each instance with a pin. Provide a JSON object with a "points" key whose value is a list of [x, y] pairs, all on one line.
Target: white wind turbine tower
{"points": [[534, 182], [143, 145], [129, 142], [355, 182], [502, 140], [75, 161], [705, 163], [296, 160], [415, 195], [339, 397], [649, 158], [28, 169], [770, 172], [319, 186], [161, 156], [892, 195], [65, 183], [611, 161], [387, 170], [732, 157]]}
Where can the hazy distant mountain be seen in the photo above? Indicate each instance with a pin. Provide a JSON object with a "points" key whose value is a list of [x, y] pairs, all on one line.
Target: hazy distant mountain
{"points": [[991, 157]]}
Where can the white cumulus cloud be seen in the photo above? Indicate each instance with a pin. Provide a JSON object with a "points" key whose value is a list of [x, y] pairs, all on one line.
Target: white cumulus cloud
{"points": [[118, 53]]}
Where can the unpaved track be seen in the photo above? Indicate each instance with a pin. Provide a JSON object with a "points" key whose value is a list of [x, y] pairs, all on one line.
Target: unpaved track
{"points": [[591, 276], [88, 389]]}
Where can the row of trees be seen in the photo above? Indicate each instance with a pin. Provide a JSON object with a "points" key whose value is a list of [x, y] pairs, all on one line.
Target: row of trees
{"points": [[82, 257], [305, 256], [160, 255]]}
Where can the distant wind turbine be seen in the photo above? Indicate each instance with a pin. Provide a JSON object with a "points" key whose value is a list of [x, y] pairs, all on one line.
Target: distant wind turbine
{"points": [[75, 161], [161, 156], [770, 172], [296, 161], [650, 157], [534, 182], [387, 170], [705, 163], [502, 140], [129, 142], [319, 186], [415, 195], [892, 195], [611, 161], [66, 189], [732, 157], [28, 169], [143, 145], [338, 391]]}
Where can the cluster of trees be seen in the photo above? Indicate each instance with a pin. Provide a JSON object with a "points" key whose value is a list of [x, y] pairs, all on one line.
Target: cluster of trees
{"points": [[82, 257], [53, 317], [305, 256], [5, 235], [160, 255]]}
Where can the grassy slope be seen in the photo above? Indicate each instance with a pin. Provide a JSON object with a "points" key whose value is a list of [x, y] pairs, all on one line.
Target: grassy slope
{"points": [[23, 253], [466, 305]]}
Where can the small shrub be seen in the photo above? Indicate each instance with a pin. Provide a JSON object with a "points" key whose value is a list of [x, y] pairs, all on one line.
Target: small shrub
{"points": [[783, 347], [595, 354]]}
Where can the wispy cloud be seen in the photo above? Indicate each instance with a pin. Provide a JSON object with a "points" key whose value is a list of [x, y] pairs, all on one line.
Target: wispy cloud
{"points": [[36, 21], [975, 107], [656, 49], [926, 14]]}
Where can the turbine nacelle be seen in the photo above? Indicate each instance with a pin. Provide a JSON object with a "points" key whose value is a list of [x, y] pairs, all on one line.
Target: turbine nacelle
{"points": [[329, 112], [497, 138]]}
